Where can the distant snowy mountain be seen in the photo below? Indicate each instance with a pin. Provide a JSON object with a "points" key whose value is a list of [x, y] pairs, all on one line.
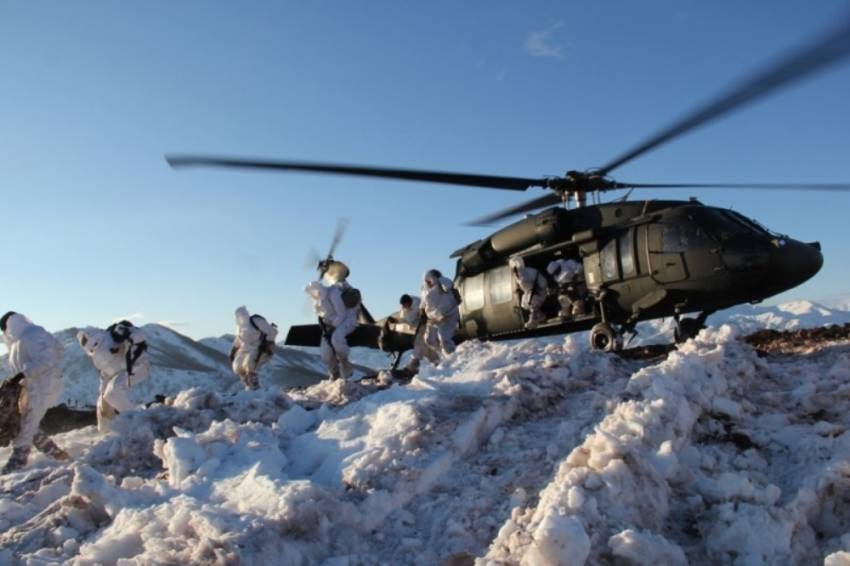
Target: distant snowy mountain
{"points": [[178, 363]]}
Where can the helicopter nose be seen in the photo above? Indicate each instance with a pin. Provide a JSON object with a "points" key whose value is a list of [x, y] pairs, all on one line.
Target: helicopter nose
{"points": [[793, 262]]}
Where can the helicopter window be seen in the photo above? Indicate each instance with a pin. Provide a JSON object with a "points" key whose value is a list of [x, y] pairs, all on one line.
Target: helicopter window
{"points": [[749, 223], [682, 237], [609, 261], [473, 293], [499, 284], [627, 257], [725, 226]]}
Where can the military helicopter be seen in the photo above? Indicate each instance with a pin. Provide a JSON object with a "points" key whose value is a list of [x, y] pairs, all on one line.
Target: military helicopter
{"points": [[642, 260]]}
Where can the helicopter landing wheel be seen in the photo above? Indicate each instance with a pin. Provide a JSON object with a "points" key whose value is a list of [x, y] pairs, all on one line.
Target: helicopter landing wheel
{"points": [[604, 338], [686, 329]]}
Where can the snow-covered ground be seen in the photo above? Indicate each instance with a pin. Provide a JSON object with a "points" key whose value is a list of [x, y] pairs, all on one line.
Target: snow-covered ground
{"points": [[507, 453]]}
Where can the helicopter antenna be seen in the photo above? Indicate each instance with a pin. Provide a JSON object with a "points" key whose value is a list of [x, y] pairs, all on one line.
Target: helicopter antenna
{"points": [[626, 196]]}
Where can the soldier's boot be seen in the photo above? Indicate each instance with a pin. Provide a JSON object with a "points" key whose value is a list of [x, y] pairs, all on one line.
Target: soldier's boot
{"points": [[46, 445], [412, 366], [251, 381], [345, 368], [17, 460]]}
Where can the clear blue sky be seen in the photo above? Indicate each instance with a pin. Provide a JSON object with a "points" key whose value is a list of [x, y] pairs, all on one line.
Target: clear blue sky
{"points": [[96, 225]]}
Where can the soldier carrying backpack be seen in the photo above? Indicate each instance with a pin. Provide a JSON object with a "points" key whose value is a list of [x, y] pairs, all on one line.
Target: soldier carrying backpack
{"points": [[338, 306], [253, 346]]}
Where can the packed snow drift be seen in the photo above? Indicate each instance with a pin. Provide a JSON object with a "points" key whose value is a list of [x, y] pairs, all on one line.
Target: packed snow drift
{"points": [[506, 453]]}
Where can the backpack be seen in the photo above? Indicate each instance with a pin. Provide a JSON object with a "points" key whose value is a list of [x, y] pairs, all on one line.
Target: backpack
{"points": [[119, 331], [268, 333], [351, 298]]}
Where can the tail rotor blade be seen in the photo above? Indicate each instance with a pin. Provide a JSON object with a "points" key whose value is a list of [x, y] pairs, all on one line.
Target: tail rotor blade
{"points": [[339, 232]]}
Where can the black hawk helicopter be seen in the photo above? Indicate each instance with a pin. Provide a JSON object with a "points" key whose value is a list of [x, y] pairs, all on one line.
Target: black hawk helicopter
{"points": [[642, 259]]}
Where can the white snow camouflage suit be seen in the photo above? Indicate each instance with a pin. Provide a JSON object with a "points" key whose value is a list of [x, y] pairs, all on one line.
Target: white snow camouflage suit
{"points": [[36, 354], [441, 308], [110, 359], [253, 346], [339, 321]]}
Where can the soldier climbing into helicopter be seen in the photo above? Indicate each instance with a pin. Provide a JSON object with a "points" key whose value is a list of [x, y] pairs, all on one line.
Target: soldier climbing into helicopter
{"points": [[440, 302], [337, 305], [533, 287], [253, 346], [567, 274]]}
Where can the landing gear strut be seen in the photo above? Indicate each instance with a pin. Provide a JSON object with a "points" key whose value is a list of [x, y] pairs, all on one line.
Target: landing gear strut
{"points": [[687, 328]]}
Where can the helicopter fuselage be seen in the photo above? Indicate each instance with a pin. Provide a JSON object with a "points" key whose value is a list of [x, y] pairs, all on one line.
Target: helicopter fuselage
{"points": [[642, 260]]}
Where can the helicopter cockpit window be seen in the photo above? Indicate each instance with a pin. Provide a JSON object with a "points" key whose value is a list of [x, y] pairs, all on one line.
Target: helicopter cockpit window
{"points": [[682, 237], [608, 259], [753, 225], [627, 256], [726, 226], [500, 286], [473, 293]]}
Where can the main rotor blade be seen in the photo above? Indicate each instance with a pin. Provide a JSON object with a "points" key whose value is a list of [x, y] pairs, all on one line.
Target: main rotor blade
{"points": [[468, 179], [546, 200], [816, 56], [838, 187]]}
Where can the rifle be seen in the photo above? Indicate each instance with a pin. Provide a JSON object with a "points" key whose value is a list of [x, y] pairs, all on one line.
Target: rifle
{"points": [[327, 335]]}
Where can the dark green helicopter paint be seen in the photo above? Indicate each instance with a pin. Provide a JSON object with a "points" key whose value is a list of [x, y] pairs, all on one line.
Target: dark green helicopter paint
{"points": [[642, 259]]}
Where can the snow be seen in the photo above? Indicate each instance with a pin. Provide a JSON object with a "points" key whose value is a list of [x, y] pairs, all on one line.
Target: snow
{"points": [[535, 452]]}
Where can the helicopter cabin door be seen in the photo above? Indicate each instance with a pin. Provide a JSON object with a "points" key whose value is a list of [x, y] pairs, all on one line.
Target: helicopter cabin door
{"points": [[666, 253]]}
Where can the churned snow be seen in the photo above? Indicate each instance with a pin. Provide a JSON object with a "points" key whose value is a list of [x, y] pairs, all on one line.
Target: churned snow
{"points": [[530, 452]]}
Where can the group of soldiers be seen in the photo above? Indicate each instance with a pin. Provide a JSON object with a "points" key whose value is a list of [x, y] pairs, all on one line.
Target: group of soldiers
{"points": [[534, 287], [119, 353], [433, 318]]}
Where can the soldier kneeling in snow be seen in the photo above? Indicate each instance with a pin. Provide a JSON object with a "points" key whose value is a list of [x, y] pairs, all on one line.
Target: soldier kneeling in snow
{"points": [[119, 354], [34, 358], [253, 347]]}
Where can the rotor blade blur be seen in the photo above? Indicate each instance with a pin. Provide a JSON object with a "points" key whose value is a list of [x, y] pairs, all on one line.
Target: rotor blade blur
{"points": [[818, 55], [339, 232], [540, 202], [836, 187], [467, 179], [312, 260]]}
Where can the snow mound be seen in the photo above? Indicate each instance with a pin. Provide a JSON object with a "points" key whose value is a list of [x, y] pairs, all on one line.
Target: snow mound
{"points": [[530, 452]]}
